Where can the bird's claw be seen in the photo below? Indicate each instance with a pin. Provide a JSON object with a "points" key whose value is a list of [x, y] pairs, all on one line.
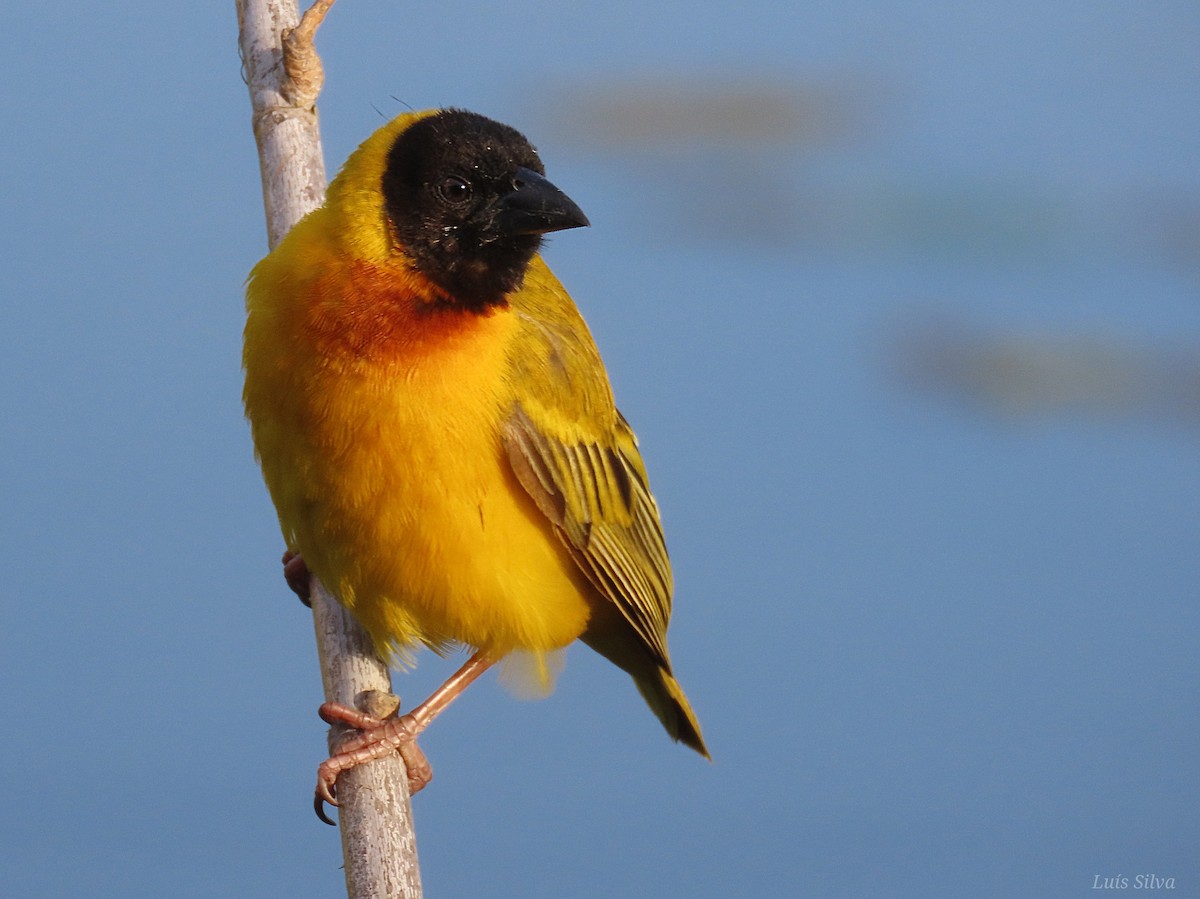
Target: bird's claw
{"points": [[375, 739], [295, 572], [324, 794]]}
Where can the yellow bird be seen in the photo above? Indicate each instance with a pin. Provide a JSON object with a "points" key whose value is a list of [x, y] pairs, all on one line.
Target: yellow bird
{"points": [[437, 430]]}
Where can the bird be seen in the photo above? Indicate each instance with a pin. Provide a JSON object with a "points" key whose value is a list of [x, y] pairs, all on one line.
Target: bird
{"points": [[438, 433]]}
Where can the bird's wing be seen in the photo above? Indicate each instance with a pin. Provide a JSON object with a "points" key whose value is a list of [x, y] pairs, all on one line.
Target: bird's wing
{"points": [[578, 458]]}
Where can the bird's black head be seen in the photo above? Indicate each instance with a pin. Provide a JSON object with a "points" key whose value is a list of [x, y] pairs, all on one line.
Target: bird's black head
{"points": [[469, 203]]}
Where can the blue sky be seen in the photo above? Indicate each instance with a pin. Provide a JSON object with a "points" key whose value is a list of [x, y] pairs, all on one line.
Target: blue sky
{"points": [[914, 373]]}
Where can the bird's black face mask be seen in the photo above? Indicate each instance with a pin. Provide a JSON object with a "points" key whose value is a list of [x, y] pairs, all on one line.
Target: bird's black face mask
{"points": [[469, 202]]}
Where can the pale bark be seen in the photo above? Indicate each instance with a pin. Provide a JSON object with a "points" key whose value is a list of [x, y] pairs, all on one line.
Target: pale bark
{"points": [[375, 815]]}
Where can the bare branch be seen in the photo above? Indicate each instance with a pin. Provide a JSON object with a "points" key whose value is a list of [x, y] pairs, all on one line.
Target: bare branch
{"points": [[284, 75]]}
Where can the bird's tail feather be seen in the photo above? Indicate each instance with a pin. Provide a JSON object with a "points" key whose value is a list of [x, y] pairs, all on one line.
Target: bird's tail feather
{"points": [[666, 699], [611, 636]]}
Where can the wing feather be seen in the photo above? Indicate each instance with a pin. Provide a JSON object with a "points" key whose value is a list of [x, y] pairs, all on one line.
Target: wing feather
{"points": [[607, 519], [578, 458]]}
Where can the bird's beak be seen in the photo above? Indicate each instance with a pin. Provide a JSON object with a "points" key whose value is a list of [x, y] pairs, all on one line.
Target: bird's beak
{"points": [[535, 206]]}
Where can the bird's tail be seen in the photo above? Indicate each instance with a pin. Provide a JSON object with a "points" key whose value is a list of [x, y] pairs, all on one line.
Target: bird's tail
{"points": [[612, 637], [666, 699]]}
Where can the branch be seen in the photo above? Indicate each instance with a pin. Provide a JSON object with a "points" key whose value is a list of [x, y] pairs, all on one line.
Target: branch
{"points": [[284, 75]]}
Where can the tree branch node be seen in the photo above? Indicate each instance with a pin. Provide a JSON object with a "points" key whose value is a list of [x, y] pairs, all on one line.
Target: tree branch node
{"points": [[301, 64]]}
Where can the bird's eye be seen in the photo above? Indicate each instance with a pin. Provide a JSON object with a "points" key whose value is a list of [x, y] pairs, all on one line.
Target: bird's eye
{"points": [[454, 189]]}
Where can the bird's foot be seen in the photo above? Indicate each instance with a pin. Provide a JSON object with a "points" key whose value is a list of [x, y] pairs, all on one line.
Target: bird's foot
{"points": [[295, 572], [376, 738]]}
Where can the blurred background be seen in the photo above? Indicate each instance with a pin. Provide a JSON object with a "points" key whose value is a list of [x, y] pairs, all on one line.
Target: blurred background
{"points": [[904, 303]]}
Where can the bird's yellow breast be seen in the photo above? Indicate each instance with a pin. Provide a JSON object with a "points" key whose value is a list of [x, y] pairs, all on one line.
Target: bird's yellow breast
{"points": [[376, 416]]}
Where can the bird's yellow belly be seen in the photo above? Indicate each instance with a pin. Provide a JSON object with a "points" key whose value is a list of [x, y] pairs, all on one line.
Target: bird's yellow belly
{"points": [[420, 526]]}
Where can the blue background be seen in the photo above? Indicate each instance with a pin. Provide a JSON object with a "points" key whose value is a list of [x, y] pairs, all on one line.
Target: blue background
{"points": [[902, 300]]}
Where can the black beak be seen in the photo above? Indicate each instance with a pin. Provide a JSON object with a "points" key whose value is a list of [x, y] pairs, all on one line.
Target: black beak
{"points": [[535, 206]]}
